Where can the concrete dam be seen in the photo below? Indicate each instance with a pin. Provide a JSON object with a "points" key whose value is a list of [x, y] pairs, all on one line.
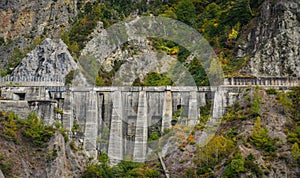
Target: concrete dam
{"points": [[119, 120]]}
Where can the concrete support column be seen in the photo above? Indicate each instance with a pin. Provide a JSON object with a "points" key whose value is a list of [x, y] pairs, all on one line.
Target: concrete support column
{"points": [[68, 119], [193, 114], [202, 99], [101, 125], [115, 146], [141, 132], [167, 111], [91, 125], [219, 104], [49, 113], [226, 81]]}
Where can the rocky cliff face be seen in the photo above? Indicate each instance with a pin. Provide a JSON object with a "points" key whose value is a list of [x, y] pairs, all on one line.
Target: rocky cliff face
{"points": [[26, 18], [136, 54], [273, 43], [49, 60], [57, 160], [23, 20], [67, 163]]}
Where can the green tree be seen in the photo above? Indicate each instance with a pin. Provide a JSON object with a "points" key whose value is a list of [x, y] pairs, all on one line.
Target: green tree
{"points": [[285, 102], [34, 129], [212, 152], [235, 167], [185, 12], [260, 137], [239, 12], [252, 166], [296, 152], [259, 133], [295, 97], [155, 79], [197, 71], [99, 81], [255, 108], [10, 127], [169, 13]]}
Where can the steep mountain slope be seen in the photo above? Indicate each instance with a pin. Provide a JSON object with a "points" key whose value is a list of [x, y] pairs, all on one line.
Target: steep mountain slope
{"points": [[51, 59], [30, 149], [259, 135], [259, 138], [22, 21], [273, 40], [263, 34]]}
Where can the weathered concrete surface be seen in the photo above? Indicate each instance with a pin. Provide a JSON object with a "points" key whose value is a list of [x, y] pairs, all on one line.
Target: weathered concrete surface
{"points": [[141, 135], [20, 107], [68, 118], [167, 111], [194, 113], [115, 147], [118, 120], [91, 124]]}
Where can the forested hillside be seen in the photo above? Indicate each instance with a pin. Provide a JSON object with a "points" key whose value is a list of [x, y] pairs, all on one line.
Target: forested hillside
{"points": [[222, 23], [258, 136]]}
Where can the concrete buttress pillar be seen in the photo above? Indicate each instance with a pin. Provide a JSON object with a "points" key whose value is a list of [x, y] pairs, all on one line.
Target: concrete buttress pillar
{"points": [[219, 104], [67, 119], [91, 125], [141, 133], [202, 99], [167, 111], [115, 146], [193, 114]]}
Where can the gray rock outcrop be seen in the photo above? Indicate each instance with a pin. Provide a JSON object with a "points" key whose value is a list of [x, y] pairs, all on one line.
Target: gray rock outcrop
{"points": [[59, 166], [49, 60], [273, 44], [22, 21], [136, 53]]}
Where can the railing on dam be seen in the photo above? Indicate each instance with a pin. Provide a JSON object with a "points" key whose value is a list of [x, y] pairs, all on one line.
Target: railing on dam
{"points": [[262, 81], [32, 81], [234, 81]]}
